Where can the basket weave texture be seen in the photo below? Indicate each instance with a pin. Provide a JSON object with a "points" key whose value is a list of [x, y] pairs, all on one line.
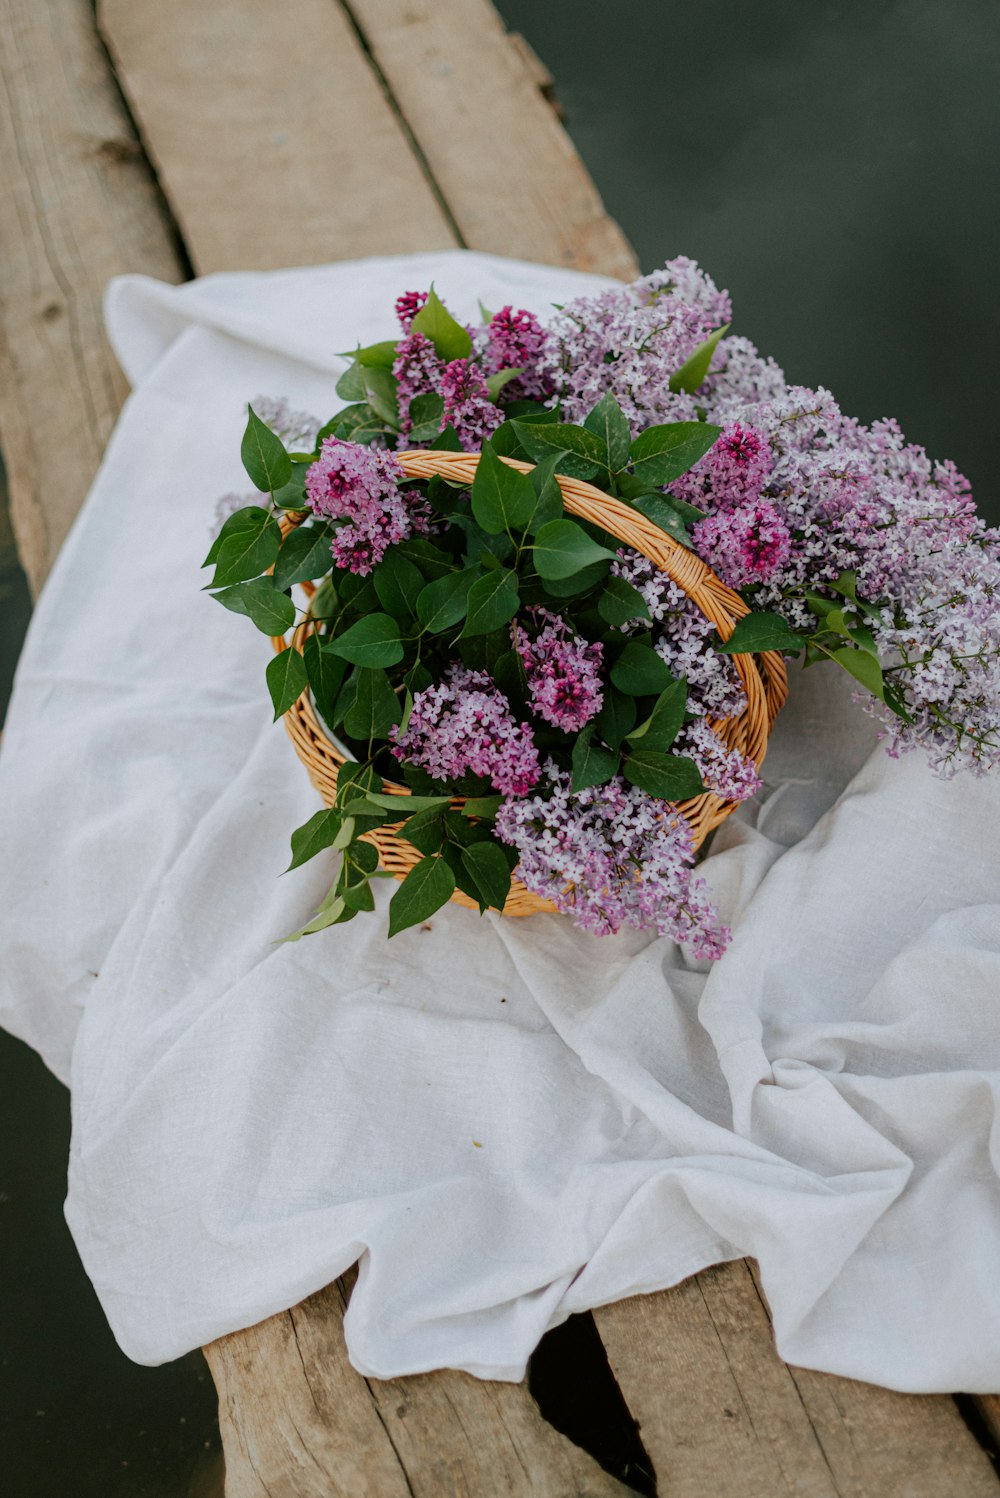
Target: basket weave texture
{"points": [[764, 676]]}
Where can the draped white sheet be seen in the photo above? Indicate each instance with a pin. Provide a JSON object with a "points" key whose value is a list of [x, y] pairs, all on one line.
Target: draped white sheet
{"points": [[506, 1120]]}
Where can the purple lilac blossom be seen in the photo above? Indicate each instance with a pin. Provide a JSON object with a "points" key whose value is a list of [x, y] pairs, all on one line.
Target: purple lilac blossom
{"points": [[683, 637], [464, 725], [612, 856], [732, 472], [418, 371], [746, 545], [360, 485], [467, 404], [563, 670], [407, 307], [630, 340], [727, 772], [515, 340]]}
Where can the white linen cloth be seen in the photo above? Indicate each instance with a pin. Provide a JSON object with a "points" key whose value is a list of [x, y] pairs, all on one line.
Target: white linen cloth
{"points": [[506, 1120]]}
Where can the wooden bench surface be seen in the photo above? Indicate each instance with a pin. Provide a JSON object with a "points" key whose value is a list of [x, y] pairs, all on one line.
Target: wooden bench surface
{"points": [[156, 139]]}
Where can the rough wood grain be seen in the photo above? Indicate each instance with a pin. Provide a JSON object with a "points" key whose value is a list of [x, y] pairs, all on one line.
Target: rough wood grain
{"points": [[298, 1422], [987, 1406], [721, 1415], [78, 205], [507, 169], [273, 141]]}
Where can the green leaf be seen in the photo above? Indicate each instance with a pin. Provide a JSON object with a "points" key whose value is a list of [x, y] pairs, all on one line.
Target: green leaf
{"points": [[665, 721], [286, 680], [425, 889], [407, 805], [375, 707], [620, 602], [426, 411], [492, 601], [693, 371], [364, 857], [443, 602], [593, 764], [344, 835], [608, 421], [425, 830], [330, 913], [315, 835], [755, 632], [351, 385], [264, 456], [669, 776], [246, 548], [260, 601], [577, 584], [863, 667], [447, 440], [580, 454], [376, 355], [562, 548], [450, 339], [548, 495], [488, 869], [398, 583], [325, 673], [639, 671], [380, 393], [661, 454], [496, 382], [485, 807], [304, 555], [502, 498], [358, 896], [662, 510], [373, 641], [252, 518], [357, 423], [616, 717]]}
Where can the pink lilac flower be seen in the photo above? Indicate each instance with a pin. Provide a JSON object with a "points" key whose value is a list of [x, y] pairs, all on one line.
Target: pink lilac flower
{"points": [[360, 485], [418, 371], [733, 471], [746, 545], [464, 725], [563, 670], [684, 638], [630, 340], [515, 340], [407, 307], [467, 404], [612, 856], [725, 771]]}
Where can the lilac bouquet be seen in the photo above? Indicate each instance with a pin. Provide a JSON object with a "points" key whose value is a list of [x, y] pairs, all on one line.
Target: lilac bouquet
{"points": [[473, 642]]}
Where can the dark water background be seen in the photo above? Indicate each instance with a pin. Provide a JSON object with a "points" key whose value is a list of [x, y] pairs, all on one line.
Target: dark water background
{"points": [[834, 165]]}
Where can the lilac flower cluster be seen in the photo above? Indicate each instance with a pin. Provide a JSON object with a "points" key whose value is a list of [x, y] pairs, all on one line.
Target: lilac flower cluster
{"points": [[360, 485], [467, 403], [516, 340], [464, 725], [797, 493], [630, 341], [612, 856], [725, 771], [563, 670]]}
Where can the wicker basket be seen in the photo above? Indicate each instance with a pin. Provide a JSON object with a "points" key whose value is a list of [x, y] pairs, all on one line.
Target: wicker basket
{"points": [[763, 676]]}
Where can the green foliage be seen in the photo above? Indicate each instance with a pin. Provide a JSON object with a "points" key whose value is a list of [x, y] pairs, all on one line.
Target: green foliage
{"points": [[286, 680], [664, 723], [245, 547], [661, 454], [669, 776], [563, 548], [502, 498], [489, 872], [373, 641], [492, 601], [304, 555], [756, 632], [375, 707], [607, 420], [271, 611], [443, 603], [639, 671], [450, 339], [692, 372], [264, 456], [581, 454], [620, 602], [429, 885], [593, 763]]}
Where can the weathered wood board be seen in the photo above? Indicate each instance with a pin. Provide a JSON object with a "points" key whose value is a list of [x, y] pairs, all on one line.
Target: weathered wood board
{"points": [[435, 132], [78, 204]]}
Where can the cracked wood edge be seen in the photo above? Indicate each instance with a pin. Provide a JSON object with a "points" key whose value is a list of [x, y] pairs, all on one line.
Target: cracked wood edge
{"points": [[507, 169], [721, 1415], [273, 139], [78, 205], [298, 1422]]}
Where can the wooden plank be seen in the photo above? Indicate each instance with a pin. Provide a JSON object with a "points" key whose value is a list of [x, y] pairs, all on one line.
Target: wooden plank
{"points": [[507, 169], [721, 1415], [273, 140], [987, 1407], [298, 1422], [78, 205]]}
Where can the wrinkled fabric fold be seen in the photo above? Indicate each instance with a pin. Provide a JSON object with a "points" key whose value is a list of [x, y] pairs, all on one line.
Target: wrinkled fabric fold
{"points": [[506, 1121]]}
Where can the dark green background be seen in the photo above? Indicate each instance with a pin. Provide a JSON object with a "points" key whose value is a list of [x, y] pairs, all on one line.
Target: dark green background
{"points": [[835, 166]]}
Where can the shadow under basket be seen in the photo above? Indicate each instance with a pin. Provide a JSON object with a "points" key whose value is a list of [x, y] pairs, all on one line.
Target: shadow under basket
{"points": [[763, 676]]}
